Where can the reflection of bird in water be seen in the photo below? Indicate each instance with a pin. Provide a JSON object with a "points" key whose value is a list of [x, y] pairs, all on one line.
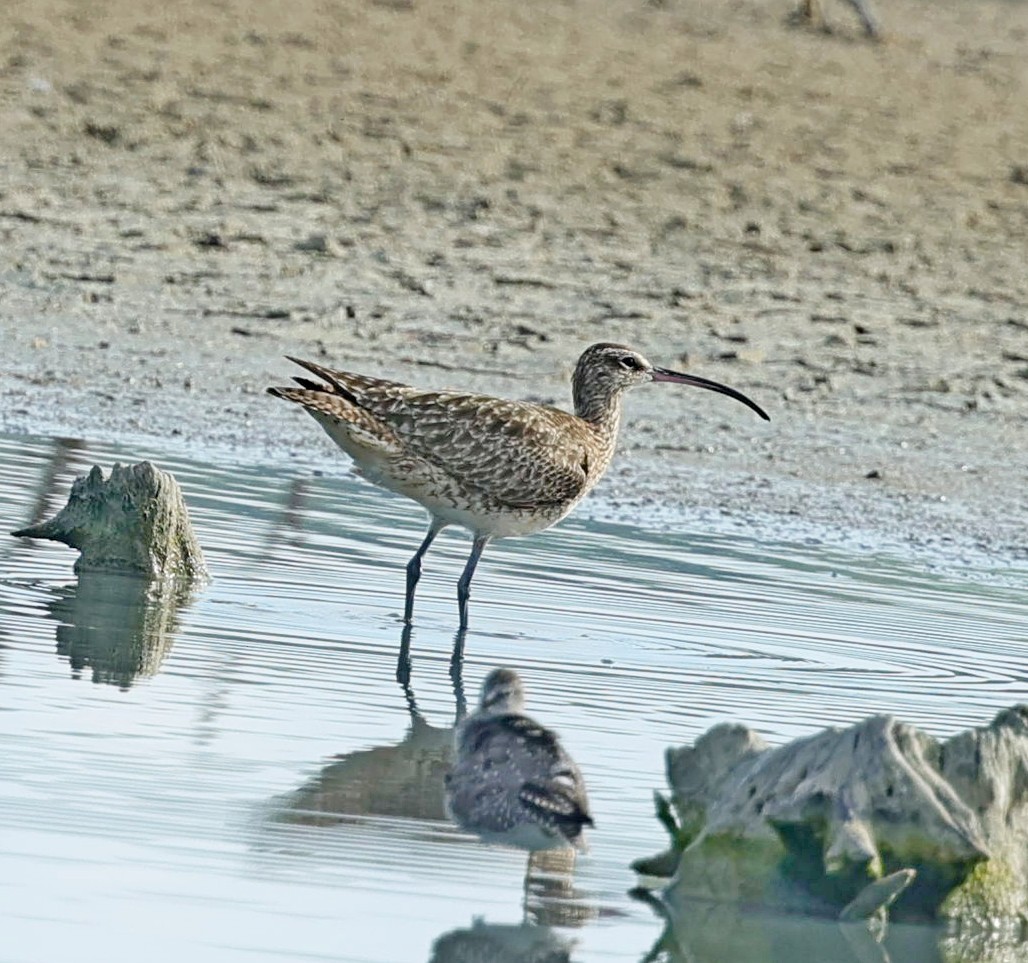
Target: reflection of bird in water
{"points": [[512, 782], [288, 527], [550, 897], [67, 453], [491, 943], [498, 468], [404, 780]]}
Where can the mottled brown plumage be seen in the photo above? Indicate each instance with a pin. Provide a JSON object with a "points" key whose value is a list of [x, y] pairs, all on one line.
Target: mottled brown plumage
{"points": [[498, 468]]}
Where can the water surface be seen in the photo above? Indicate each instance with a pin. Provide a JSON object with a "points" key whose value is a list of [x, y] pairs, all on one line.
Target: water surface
{"points": [[238, 774]]}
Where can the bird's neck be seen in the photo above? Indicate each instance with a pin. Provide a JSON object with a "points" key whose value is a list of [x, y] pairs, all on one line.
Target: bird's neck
{"points": [[502, 707], [603, 416], [601, 409]]}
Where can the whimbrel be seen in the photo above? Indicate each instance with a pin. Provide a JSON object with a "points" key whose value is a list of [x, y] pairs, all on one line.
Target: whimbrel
{"points": [[512, 782], [498, 468]]}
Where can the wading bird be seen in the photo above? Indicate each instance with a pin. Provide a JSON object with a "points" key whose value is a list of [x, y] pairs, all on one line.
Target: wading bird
{"points": [[511, 781], [497, 468]]}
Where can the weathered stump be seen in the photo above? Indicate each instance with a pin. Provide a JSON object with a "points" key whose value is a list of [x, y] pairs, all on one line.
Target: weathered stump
{"points": [[133, 522], [139, 560], [843, 822]]}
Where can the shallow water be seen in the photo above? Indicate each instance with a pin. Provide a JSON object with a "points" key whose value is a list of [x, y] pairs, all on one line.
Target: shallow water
{"points": [[246, 779]]}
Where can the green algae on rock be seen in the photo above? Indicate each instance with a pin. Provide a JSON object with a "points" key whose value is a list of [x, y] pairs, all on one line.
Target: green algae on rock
{"points": [[133, 522], [848, 822]]}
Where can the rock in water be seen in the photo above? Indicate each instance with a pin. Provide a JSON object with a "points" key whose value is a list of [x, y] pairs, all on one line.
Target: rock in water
{"points": [[845, 821], [134, 522]]}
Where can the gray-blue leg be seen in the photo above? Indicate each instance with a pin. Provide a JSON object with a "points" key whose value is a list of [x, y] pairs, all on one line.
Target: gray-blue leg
{"points": [[464, 585], [414, 569], [403, 660]]}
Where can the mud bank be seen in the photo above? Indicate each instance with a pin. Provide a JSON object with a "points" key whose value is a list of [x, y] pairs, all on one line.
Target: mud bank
{"points": [[468, 194]]}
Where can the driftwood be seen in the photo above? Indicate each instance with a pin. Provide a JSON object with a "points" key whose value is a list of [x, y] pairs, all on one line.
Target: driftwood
{"points": [[133, 522], [847, 822], [138, 563]]}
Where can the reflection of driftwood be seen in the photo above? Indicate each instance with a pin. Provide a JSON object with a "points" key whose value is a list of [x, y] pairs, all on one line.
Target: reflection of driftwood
{"points": [[489, 943], [704, 932], [134, 521], [819, 825], [119, 626]]}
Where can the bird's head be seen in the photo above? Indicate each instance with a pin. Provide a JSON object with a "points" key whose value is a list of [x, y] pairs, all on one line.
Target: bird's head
{"points": [[611, 367], [605, 370], [502, 693]]}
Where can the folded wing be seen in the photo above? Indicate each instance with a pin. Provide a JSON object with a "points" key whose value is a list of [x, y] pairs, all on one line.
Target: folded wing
{"points": [[465, 435]]}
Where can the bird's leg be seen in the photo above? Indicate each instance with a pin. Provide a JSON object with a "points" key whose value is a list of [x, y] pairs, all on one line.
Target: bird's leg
{"points": [[414, 569], [525, 888], [457, 675], [403, 666], [464, 585], [403, 671]]}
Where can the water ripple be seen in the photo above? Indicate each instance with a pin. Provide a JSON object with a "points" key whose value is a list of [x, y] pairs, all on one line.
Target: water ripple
{"points": [[237, 786]]}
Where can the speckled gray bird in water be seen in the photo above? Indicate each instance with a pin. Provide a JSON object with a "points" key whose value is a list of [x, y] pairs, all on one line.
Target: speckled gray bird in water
{"points": [[512, 782], [495, 467]]}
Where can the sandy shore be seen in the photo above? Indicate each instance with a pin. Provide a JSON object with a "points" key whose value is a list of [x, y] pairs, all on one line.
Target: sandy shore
{"points": [[468, 193]]}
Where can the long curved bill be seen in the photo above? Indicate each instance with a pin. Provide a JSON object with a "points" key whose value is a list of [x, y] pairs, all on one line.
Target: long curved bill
{"points": [[662, 374]]}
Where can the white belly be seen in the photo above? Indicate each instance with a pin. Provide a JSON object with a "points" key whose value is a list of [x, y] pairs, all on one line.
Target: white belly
{"points": [[382, 464], [503, 524], [454, 509]]}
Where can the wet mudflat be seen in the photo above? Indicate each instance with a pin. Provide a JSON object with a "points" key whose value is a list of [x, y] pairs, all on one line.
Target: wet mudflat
{"points": [[238, 773]]}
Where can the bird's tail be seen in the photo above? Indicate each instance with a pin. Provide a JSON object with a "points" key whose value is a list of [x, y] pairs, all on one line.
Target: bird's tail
{"points": [[556, 808]]}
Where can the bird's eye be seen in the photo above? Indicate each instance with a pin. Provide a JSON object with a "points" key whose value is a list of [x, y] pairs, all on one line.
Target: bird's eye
{"points": [[630, 362]]}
